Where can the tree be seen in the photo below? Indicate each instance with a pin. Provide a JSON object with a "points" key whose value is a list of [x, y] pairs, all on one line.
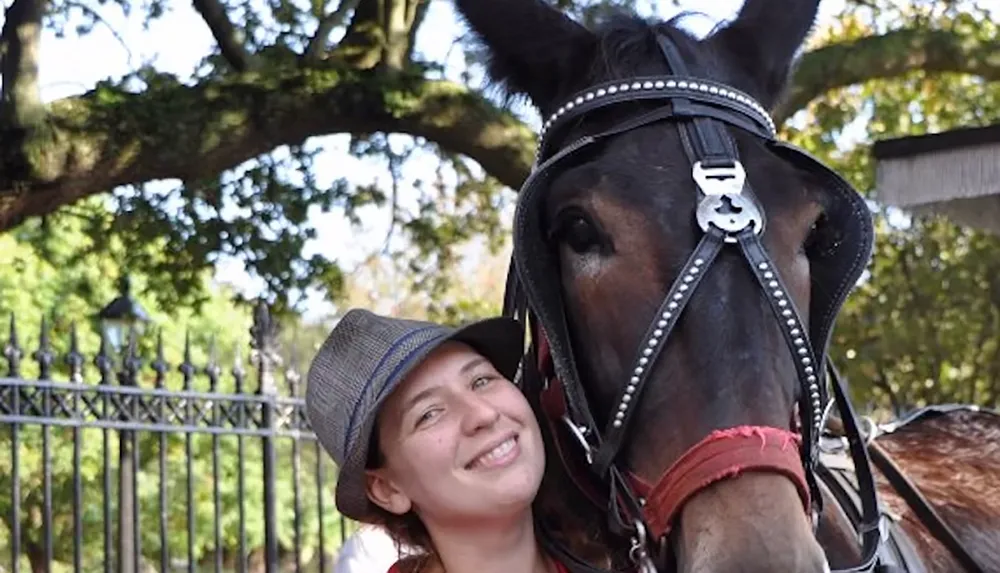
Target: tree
{"points": [[239, 136], [924, 325], [53, 273]]}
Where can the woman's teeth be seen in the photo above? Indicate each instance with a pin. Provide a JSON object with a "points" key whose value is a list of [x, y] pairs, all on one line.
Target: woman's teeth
{"points": [[495, 454]]}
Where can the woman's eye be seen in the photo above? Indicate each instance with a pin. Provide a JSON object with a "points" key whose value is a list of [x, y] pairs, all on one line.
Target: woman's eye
{"points": [[480, 382], [427, 416], [579, 233]]}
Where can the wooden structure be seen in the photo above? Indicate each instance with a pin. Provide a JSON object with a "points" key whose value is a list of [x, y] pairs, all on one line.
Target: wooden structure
{"points": [[953, 173]]}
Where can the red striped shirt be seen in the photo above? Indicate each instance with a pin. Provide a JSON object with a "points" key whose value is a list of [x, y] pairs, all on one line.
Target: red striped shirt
{"points": [[560, 568]]}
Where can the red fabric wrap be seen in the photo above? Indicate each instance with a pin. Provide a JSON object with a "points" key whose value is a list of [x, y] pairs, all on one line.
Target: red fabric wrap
{"points": [[721, 455]]}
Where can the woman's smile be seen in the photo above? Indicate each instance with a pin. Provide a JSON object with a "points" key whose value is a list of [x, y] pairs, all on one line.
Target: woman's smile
{"points": [[497, 456]]}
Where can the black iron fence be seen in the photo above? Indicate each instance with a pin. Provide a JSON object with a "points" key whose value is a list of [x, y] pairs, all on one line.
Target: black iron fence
{"points": [[160, 467]]}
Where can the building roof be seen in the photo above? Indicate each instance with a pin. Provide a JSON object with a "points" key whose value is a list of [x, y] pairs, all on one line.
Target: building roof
{"points": [[954, 173]]}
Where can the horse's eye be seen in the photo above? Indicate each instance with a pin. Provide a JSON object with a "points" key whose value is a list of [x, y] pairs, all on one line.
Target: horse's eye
{"points": [[823, 239], [578, 232]]}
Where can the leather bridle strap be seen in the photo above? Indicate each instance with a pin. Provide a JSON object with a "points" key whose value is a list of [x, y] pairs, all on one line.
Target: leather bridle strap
{"points": [[654, 340], [794, 331], [873, 527]]}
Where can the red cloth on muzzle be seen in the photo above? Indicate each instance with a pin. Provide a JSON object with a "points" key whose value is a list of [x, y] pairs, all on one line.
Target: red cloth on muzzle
{"points": [[721, 455]]}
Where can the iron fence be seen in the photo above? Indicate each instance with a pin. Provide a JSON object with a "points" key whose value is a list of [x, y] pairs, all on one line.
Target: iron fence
{"points": [[150, 463]]}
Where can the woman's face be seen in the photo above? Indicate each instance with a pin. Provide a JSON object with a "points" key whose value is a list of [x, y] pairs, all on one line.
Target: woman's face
{"points": [[460, 442]]}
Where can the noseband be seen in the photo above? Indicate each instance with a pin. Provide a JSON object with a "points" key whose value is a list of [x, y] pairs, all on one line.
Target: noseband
{"points": [[730, 217]]}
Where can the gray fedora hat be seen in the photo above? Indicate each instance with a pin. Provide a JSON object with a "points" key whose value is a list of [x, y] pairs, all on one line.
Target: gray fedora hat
{"points": [[361, 362]]}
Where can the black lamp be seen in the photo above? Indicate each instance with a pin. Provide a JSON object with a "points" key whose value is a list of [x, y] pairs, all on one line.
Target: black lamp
{"points": [[122, 315]]}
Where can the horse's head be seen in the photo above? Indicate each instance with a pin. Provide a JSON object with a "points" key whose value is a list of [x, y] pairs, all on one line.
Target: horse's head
{"points": [[697, 361]]}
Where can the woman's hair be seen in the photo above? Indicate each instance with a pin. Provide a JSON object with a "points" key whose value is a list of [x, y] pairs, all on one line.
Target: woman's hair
{"points": [[551, 506]]}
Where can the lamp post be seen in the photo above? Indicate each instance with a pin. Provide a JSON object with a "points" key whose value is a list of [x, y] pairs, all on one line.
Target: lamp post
{"points": [[121, 316], [121, 319]]}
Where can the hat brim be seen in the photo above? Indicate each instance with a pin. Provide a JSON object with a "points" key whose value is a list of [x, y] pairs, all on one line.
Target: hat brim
{"points": [[500, 340]]}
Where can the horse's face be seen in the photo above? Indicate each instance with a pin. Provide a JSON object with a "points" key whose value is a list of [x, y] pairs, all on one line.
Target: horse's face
{"points": [[623, 225], [621, 220]]}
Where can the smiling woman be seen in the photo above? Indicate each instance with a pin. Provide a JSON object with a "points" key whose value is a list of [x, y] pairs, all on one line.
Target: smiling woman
{"points": [[433, 440]]}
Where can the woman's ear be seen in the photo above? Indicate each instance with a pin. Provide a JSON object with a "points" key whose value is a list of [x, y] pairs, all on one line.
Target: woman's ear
{"points": [[383, 492]]}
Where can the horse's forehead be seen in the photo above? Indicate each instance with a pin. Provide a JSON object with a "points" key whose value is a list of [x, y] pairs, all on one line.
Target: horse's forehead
{"points": [[629, 174]]}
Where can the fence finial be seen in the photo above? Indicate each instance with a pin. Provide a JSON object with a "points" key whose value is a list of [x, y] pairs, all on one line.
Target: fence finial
{"points": [[43, 355], [186, 367], [160, 365], [212, 369], [264, 345], [74, 359], [12, 351], [131, 362], [103, 359]]}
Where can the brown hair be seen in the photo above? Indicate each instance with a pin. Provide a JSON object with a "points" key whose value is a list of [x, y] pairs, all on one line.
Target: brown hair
{"points": [[551, 508]]}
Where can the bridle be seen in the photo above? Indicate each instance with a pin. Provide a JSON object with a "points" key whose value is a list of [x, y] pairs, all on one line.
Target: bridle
{"points": [[730, 217]]}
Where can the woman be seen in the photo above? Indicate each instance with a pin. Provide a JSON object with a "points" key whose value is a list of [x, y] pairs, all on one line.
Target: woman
{"points": [[433, 440]]}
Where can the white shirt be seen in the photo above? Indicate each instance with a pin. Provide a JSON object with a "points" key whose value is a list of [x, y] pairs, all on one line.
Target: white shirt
{"points": [[368, 550]]}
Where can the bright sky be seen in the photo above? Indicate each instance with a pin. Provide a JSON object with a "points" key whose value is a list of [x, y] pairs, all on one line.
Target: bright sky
{"points": [[175, 44]]}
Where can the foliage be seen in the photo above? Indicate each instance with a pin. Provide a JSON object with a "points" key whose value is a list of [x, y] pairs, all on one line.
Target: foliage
{"points": [[51, 270], [262, 210], [924, 325]]}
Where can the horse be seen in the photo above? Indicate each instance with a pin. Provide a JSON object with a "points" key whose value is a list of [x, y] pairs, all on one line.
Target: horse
{"points": [[681, 267]]}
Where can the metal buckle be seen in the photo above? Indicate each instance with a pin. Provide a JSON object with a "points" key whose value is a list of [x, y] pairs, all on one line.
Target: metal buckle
{"points": [[873, 430], [724, 206], [638, 553], [580, 433], [719, 180], [730, 214]]}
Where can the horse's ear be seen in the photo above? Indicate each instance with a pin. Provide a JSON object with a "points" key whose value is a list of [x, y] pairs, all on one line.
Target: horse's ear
{"points": [[763, 39], [533, 48]]}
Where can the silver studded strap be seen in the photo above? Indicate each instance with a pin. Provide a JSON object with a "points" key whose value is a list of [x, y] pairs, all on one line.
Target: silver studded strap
{"points": [[653, 342], [712, 94], [791, 326]]}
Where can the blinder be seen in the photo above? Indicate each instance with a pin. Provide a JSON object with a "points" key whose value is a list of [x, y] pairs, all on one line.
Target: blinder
{"points": [[704, 111]]}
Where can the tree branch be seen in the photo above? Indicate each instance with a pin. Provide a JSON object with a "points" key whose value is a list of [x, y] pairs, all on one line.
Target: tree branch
{"points": [[109, 138], [20, 43], [887, 56], [380, 33], [317, 44], [230, 39], [894, 402], [361, 46]]}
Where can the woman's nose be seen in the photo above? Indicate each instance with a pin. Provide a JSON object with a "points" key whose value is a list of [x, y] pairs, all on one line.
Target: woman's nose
{"points": [[479, 414]]}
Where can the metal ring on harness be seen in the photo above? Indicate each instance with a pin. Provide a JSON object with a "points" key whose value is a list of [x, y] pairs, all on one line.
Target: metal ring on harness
{"points": [[580, 433]]}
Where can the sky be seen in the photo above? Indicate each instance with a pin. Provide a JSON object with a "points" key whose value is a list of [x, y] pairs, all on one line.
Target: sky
{"points": [[177, 41]]}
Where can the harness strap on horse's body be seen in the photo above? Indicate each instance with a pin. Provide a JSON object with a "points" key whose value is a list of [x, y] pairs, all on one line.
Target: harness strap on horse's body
{"points": [[898, 554], [922, 508]]}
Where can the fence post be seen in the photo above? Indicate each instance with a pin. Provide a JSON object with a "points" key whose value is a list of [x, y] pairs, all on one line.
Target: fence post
{"points": [[128, 509], [264, 333]]}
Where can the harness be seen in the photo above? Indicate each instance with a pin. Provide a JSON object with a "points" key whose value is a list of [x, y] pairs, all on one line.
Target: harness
{"points": [[730, 217]]}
